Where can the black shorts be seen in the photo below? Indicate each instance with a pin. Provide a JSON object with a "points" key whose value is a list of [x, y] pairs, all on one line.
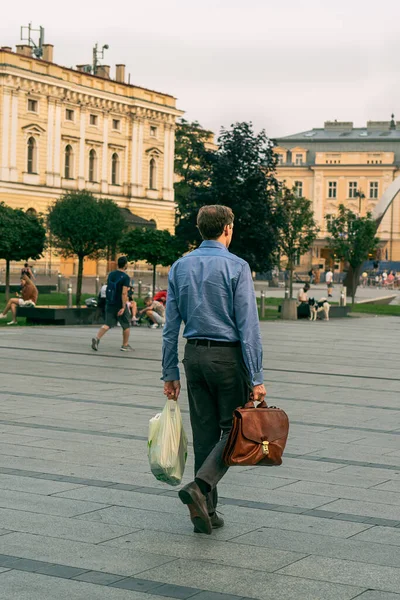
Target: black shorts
{"points": [[112, 318]]}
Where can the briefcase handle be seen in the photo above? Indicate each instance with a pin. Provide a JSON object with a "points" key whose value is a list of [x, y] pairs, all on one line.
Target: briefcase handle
{"points": [[251, 404]]}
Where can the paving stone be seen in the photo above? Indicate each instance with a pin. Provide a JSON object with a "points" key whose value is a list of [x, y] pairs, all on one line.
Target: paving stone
{"points": [[353, 549], [136, 584], [244, 582], [216, 596], [60, 527], [181, 546], [20, 585], [346, 572], [80, 555], [178, 591], [60, 571], [380, 535], [374, 595], [45, 504], [98, 578]]}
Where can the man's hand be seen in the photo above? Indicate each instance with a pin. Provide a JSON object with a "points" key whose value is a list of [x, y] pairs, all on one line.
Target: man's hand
{"points": [[259, 392], [121, 312], [172, 389]]}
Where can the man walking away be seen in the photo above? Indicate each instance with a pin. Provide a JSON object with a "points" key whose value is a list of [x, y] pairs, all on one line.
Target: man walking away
{"points": [[212, 292], [118, 283]]}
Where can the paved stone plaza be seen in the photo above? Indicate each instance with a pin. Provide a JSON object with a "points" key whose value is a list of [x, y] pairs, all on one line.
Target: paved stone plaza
{"points": [[81, 516]]}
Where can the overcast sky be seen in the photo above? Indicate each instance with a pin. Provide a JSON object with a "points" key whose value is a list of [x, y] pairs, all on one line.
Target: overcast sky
{"points": [[285, 65]]}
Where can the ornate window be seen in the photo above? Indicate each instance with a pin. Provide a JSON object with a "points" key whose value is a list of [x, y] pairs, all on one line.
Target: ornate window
{"points": [[92, 166], [68, 162], [32, 156], [153, 174], [115, 169]]}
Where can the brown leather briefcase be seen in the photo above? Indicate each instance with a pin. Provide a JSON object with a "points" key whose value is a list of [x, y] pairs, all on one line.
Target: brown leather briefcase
{"points": [[258, 436]]}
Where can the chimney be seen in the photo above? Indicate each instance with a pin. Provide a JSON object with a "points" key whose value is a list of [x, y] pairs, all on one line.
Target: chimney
{"points": [[25, 50], [120, 73], [103, 71], [48, 50], [6, 48]]}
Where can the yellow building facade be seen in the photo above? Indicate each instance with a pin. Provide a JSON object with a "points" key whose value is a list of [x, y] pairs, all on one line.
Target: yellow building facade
{"points": [[64, 129], [341, 164]]}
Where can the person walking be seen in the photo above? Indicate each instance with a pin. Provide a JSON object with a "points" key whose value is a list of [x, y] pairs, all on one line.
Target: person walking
{"points": [[212, 292], [118, 283], [27, 297], [329, 282]]}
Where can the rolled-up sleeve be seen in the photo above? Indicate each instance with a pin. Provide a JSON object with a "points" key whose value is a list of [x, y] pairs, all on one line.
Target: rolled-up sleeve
{"points": [[170, 369], [248, 325]]}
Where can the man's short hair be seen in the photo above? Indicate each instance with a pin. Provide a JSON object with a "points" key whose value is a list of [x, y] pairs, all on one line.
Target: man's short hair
{"points": [[212, 219], [122, 262]]}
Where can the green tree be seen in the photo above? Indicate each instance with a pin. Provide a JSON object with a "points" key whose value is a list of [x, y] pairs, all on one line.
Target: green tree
{"points": [[296, 227], [83, 226], [22, 236], [352, 239], [241, 175], [243, 178], [155, 246], [193, 167]]}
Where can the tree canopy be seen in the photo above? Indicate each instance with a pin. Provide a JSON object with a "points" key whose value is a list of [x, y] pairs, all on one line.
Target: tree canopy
{"points": [[352, 239], [84, 226], [156, 247], [22, 236], [296, 227], [241, 175]]}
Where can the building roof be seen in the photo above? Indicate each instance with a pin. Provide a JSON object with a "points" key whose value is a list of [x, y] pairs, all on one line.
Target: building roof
{"points": [[135, 221], [337, 134]]}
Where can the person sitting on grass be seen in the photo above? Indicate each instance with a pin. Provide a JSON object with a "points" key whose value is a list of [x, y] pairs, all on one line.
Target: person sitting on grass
{"points": [[155, 311], [28, 297]]}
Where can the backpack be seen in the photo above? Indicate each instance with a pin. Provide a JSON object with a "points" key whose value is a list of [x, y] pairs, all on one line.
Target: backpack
{"points": [[112, 290]]}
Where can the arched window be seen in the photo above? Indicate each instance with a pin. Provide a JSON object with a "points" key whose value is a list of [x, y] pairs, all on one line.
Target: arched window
{"points": [[115, 169], [68, 170], [92, 166], [32, 155], [153, 174]]}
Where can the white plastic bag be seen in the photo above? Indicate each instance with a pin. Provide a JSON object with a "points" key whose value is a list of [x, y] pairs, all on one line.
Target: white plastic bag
{"points": [[167, 445]]}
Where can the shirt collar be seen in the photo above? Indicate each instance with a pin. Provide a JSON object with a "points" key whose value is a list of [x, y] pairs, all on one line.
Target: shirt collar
{"points": [[213, 244]]}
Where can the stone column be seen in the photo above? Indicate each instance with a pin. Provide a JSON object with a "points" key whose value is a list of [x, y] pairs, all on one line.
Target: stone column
{"points": [[14, 136], [104, 169], [82, 150], [167, 145], [139, 180], [50, 143], [57, 146], [133, 178], [5, 168], [171, 162]]}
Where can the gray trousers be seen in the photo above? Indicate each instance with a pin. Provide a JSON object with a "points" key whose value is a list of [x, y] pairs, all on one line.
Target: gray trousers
{"points": [[217, 383]]}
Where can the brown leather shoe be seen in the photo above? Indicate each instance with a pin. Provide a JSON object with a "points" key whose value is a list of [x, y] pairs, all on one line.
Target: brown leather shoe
{"points": [[191, 495], [216, 522]]}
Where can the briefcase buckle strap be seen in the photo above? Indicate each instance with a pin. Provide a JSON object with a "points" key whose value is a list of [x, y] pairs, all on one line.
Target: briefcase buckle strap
{"points": [[265, 446]]}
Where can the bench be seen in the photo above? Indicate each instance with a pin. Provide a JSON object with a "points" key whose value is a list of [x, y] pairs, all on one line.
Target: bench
{"points": [[59, 315], [335, 312]]}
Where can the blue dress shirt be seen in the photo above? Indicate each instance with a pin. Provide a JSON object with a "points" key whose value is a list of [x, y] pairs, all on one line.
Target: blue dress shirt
{"points": [[212, 292]]}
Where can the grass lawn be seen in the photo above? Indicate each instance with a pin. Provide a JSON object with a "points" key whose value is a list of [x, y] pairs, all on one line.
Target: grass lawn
{"points": [[377, 309]]}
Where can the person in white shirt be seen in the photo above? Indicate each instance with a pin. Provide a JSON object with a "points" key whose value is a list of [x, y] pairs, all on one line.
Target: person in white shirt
{"points": [[329, 282]]}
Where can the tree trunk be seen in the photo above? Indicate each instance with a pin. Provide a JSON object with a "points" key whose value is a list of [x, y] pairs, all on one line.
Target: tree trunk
{"points": [[291, 282], [79, 280], [351, 281], [154, 279], [7, 280]]}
